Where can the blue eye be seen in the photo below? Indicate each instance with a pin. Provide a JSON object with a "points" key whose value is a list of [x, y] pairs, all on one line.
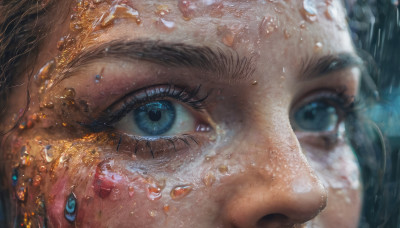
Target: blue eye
{"points": [[155, 118], [316, 116]]}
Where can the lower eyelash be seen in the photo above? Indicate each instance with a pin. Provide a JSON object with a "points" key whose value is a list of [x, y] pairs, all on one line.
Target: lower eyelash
{"points": [[133, 145]]}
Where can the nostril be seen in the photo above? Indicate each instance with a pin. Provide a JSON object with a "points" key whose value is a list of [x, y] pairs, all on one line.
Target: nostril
{"points": [[269, 220]]}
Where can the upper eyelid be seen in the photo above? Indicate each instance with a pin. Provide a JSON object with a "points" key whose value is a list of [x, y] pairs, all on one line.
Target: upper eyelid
{"points": [[117, 110]]}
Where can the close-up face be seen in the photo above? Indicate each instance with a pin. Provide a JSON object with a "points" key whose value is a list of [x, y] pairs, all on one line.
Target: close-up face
{"points": [[184, 113]]}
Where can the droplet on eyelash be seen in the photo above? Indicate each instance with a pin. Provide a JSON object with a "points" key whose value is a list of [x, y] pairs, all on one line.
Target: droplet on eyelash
{"points": [[209, 179], [187, 9], [21, 193], [47, 154], [14, 177], [44, 72], [267, 26], [120, 11], [309, 11], [223, 169], [71, 206], [153, 192], [181, 191], [36, 180]]}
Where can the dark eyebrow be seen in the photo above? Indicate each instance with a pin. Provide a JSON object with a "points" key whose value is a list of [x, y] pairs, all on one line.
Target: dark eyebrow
{"points": [[318, 66], [223, 63]]}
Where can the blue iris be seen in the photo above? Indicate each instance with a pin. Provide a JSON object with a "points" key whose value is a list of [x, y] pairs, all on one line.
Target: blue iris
{"points": [[155, 118], [70, 208], [316, 116]]}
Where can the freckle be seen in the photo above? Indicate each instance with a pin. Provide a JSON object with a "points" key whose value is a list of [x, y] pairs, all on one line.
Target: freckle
{"points": [[181, 191], [223, 169], [209, 179]]}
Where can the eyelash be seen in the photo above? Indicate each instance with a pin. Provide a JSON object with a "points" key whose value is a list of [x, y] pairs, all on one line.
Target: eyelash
{"points": [[131, 101]]}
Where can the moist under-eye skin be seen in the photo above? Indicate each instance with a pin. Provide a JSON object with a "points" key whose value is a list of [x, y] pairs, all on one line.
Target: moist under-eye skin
{"points": [[187, 113]]}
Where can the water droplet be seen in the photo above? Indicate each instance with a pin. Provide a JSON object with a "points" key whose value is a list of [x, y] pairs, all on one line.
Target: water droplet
{"points": [[120, 11], [395, 2], [254, 83], [162, 10], [309, 11], [14, 177], [187, 9], [302, 25], [131, 191], [286, 34], [209, 179], [318, 47], [36, 180], [48, 105], [166, 208], [166, 25], [153, 192], [71, 206], [152, 213], [21, 193], [180, 191], [42, 169], [47, 154], [223, 169], [45, 72], [331, 12], [98, 1], [267, 26]]}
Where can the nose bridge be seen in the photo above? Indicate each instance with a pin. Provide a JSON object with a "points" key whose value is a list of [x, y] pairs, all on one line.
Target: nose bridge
{"points": [[278, 187]]}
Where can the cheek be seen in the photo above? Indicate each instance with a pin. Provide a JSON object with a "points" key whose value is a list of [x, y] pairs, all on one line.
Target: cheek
{"points": [[339, 172]]}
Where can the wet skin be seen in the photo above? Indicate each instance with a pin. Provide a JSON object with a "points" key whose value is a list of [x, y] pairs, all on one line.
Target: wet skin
{"points": [[237, 159]]}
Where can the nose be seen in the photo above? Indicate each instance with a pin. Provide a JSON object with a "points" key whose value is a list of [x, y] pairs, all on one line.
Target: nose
{"points": [[282, 193]]}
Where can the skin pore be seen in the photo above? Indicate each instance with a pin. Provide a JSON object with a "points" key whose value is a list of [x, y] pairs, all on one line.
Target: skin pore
{"points": [[237, 73]]}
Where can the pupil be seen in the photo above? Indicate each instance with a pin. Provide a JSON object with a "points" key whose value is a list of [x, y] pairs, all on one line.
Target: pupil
{"points": [[154, 115]]}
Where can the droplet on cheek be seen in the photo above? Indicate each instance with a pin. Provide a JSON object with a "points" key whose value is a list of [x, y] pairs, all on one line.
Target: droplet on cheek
{"points": [[120, 11], [153, 192], [131, 191], [209, 179], [318, 47], [187, 9], [267, 26], [37, 180], [180, 191], [309, 11], [166, 24], [71, 206], [47, 154]]}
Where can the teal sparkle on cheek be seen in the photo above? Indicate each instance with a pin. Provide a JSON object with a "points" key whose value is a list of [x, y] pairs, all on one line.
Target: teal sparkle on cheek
{"points": [[71, 208], [14, 177]]}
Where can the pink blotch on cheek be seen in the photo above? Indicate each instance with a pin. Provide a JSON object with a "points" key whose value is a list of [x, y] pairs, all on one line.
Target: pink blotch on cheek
{"points": [[56, 205], [105, 179]]}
